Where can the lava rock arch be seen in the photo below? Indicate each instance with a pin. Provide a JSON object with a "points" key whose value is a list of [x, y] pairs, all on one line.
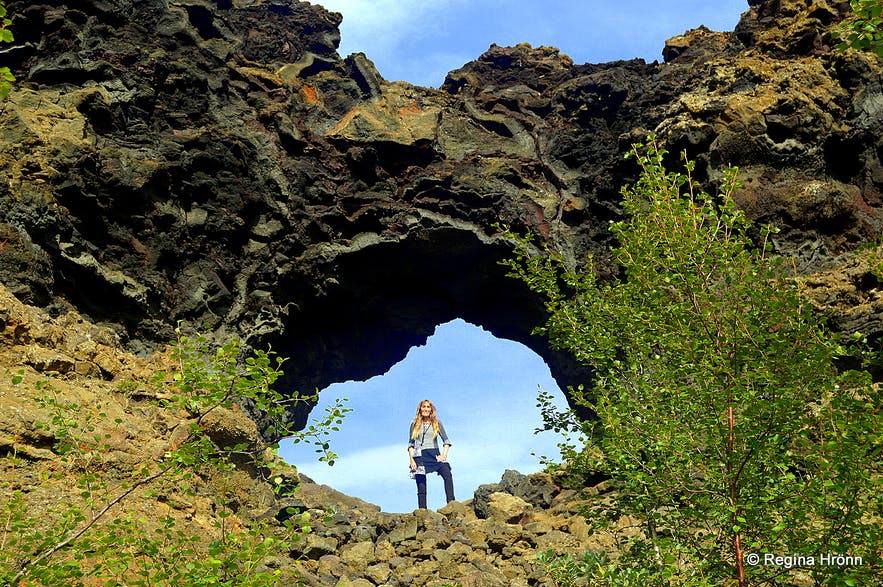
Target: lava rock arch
{"points": [[388, 297]]}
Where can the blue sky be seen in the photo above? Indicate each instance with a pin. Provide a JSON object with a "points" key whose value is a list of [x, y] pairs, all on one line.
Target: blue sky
{"points": [[421, 40], [484, 388]]}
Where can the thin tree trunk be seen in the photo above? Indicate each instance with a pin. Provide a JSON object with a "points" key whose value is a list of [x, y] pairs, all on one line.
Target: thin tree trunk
{"points": [[734, 496]]}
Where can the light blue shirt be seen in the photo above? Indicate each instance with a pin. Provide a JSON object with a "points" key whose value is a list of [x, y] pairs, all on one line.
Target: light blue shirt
{"points": [[427, 439]]}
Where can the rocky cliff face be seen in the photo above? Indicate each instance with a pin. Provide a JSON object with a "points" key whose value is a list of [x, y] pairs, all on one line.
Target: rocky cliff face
{"points": [[220, 163]]}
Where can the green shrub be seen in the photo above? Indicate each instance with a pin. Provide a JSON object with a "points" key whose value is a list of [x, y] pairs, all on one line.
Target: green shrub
{"points": [[722, 418], [863, 29], [95, 537], [6, 77], [593, 570]]}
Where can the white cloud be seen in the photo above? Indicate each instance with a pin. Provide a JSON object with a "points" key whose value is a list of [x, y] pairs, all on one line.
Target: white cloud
{"points": [[400, 36], [358, 469], [384, 24]]}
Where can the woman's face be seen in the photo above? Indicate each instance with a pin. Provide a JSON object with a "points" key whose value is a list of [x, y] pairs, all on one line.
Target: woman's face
{"points": [[425, 409]]}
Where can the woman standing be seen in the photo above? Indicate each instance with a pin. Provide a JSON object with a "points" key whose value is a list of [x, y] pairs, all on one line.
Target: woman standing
{"points": [[424, 454]]}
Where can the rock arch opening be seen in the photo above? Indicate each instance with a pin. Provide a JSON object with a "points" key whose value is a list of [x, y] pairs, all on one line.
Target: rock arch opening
{"points": [[381, 297], [485, 391]]}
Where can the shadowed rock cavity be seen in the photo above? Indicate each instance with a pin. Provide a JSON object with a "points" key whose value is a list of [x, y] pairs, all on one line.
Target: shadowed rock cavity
{"points": [[386, 298]]}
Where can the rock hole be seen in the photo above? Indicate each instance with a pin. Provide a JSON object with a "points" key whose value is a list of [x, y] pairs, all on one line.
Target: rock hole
{"points": [[202, 20], [485, 390]]}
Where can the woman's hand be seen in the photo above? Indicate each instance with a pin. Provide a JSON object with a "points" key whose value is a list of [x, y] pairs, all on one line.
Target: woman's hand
{"points": [[413, 464]]}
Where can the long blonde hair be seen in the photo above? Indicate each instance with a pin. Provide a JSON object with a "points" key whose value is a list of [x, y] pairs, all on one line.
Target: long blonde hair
{"points": [[418, 420]]}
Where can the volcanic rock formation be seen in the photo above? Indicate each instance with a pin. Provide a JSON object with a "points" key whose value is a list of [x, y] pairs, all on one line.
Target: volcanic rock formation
{"points": [[219, 163]]}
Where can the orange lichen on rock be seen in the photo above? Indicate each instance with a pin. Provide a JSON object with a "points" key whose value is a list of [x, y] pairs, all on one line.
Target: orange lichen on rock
{"points": [[310, 94], [410, 109], [343, 121]]}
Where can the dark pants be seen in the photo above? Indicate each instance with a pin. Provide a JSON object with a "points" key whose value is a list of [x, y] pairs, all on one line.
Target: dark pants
{"points": [[429, 460]]}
